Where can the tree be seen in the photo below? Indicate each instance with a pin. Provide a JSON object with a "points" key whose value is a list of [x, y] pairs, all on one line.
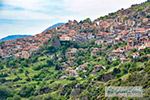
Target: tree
{"points": [[116, 71], [115, 63], [87, 20], [26, 91], [16, 97], [1, 66], [5, 93]]}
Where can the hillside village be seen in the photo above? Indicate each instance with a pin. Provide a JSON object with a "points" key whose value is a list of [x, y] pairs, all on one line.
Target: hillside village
{"points": [[77, 60], [132, 27]]}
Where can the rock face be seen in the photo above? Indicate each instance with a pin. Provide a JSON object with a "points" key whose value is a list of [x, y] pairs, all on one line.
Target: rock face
{"points": [[131, 25], [106, 77]]}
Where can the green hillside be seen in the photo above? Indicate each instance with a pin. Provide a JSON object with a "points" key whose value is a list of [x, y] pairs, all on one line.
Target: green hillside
{"points": [[80, 69]]}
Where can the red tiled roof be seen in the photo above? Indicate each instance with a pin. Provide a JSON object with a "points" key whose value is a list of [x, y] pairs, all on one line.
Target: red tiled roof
{"points": [[140, 30]]}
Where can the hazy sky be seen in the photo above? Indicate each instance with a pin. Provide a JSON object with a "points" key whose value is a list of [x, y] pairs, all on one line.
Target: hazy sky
{"points": [[34, 16]]}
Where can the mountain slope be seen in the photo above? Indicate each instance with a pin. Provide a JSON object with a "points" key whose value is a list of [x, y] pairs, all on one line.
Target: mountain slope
{"points": [[79, 59], [14, 37], [53, 26]]}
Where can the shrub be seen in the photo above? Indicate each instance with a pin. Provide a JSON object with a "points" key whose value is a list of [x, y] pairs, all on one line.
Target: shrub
{"points": [[3, 74], [116, 71], [87, 20], [16, 97], [1, 67], [5, 93], [26, 91]]}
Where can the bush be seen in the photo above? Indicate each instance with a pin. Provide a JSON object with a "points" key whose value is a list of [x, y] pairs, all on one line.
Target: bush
{"points": [[71, 78], [26, 91], [40, 65], [1, 67], [115, 63], [5, 93], [3, 80], [16, 97], [116, 71], [3, 75], [87, 20]]}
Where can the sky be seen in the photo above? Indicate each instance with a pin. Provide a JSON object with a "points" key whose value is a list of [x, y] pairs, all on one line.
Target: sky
{"points": [[34, 16]]}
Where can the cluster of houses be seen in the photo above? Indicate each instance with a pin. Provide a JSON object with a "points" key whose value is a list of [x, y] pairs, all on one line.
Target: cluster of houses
{"points": [[126, 26], [23, 48]]}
